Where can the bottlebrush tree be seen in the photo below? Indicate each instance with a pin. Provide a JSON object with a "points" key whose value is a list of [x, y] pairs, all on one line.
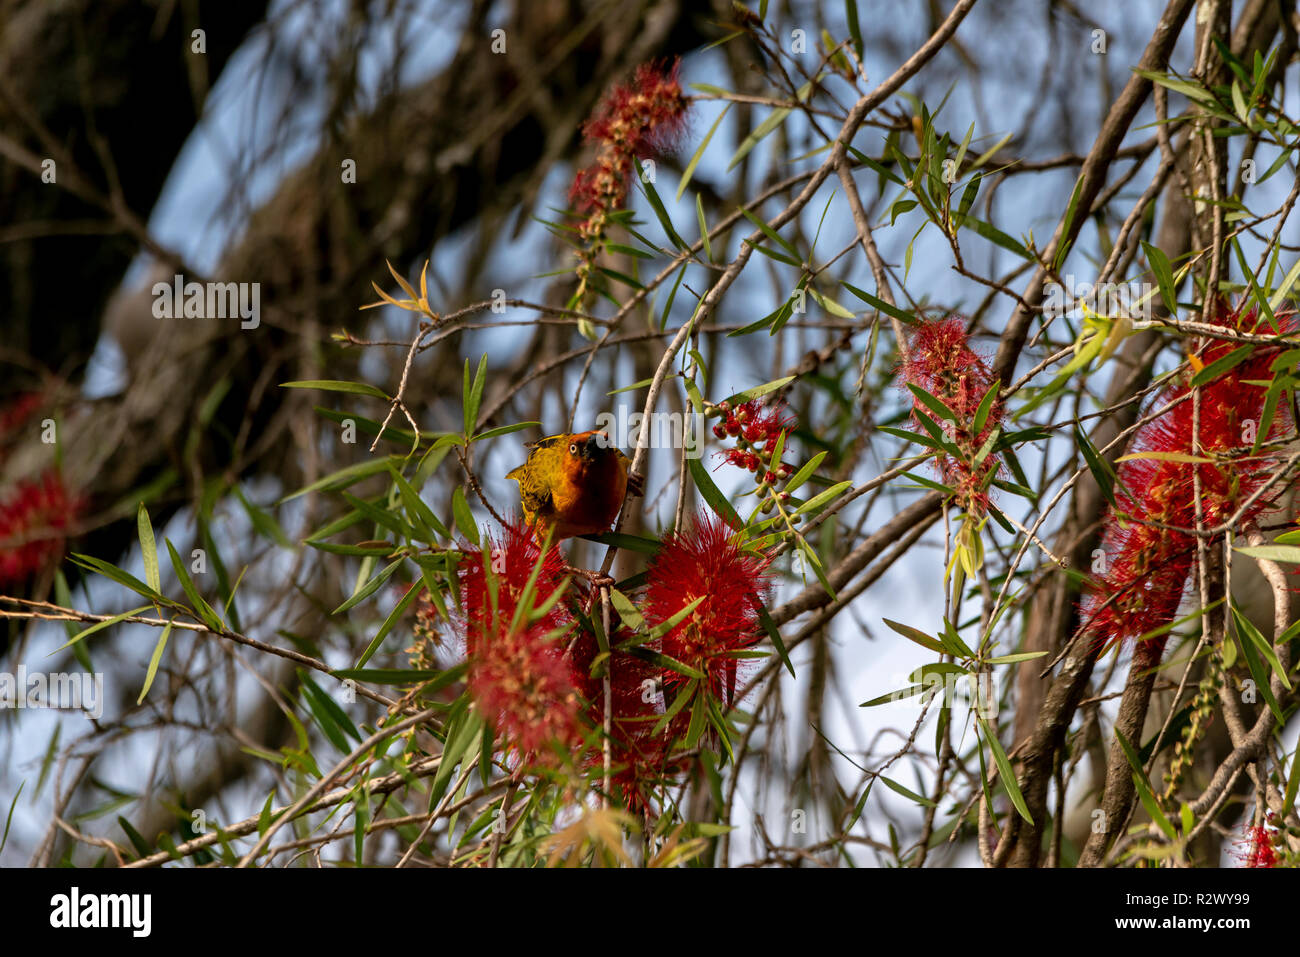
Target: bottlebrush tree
{"points": [[960, 524]]}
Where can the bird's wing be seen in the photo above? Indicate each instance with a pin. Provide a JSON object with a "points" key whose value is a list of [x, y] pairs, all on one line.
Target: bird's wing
{"points": [[534, 494], [545, 443]]}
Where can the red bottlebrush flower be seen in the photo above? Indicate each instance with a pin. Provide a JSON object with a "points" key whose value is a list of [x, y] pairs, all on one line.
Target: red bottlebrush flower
{"points": [[35, 521], [758, 427], [640, 752], [518, 673], [17, 411], [941, 362], [506, 567], [705, 562], [1147, 552], [524, 687], [1258, 849], [644, 117]]}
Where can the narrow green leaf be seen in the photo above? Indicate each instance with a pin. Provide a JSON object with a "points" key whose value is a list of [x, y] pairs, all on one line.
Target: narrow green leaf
{"points": [[153, 662], [1101, 471], [332, 385], [712, 494], [393, 617], [263, 521], [148, 548], [199, 606], [880, 304], [473, 393], [916, 635], [9, 818], [1005, 772], [695, 161], [369, 588], [462, 515], [906, 792], [774, 119], [704, 228], [1221, 365]]}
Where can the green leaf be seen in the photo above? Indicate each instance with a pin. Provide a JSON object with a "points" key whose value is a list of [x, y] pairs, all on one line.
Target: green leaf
{"points": [[504, 430], [199, 606], [333, 385], [661, 214], [380, 516], [1005, 773], [823, 498], [997, 237], [695, 161], [773, 235], [880, 304], [327, 702], [774, 119], [773, 634], [855, 33], [262, 520], [393, 617], [916, 635], [139, 843], [1280, 293], [711, 493], [421, 516], [403, 676], [1017, 657], [346, 476], [985, 407], [905, 792], [1288, 799], [1101, 471], [9, 819], [1070, 211], [1264, 645], [805, 472], [153, 662], [667, 625], [704, 229], [1143, 785], [462, 731], [1222, 365], [472, 393], [623, 540], [967, 200], [740, 398], [121, 577], [626, 610], [463, 517], [932, 403], [1272, 553], [892, 696], [369, 588], [148, 548], [1257, 671]]}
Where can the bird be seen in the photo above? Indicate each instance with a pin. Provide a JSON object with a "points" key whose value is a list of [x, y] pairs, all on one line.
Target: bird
{"points": [[573, 484]]}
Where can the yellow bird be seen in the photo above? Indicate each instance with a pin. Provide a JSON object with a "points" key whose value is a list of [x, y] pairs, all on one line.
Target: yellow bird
{"points": [[573, 484]]}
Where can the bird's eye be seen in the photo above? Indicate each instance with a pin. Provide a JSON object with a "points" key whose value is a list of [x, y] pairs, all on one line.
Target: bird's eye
{"points": [[573, 448]]}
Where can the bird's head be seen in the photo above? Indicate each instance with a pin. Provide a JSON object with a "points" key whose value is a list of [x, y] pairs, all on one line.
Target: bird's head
{"points": [[589, 448]]}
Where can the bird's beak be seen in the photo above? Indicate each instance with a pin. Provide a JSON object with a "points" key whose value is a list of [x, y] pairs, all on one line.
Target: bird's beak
{"points": [[595, 442]]}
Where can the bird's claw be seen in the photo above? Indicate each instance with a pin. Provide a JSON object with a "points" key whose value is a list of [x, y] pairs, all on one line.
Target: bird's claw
{"points": [[597, 579]]}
